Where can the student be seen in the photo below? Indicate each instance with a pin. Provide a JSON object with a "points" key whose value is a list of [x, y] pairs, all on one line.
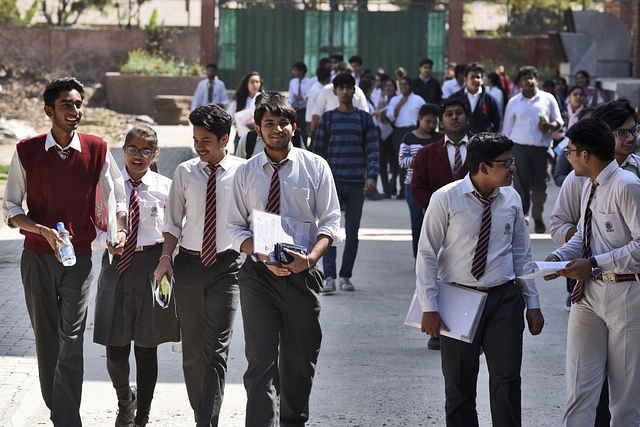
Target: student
{"points": [[476, 237], [298, 91], [425, 85], [484, 113], [206, 267], [245, 98], [424, 134], [125, 306], [210, 90], [57, 173], [281, 303]]}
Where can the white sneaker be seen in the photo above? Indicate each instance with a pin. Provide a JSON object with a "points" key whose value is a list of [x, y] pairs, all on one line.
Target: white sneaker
{"points": [[346, 285], [329, 285]]}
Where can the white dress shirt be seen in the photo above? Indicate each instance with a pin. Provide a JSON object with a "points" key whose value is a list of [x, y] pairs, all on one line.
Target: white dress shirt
{"points": [[251, 103], [498, 95], [16, 189], [201, 95], [615, 226], [566, 210], [451, 150], [312, 97], [187, 201], [301, 85], [327, 100], [450, 87], [308, 195], [523, 114], [473, 98], [408, 114], [449, 238]]}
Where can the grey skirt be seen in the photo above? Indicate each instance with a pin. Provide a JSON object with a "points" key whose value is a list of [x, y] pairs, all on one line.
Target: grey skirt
{"points": [[125, 310]]}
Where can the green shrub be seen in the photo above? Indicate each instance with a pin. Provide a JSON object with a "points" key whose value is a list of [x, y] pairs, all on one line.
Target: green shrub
{"points": [[160, 64]]}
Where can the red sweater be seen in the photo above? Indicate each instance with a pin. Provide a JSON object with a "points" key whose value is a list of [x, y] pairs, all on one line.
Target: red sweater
{"points": [[62, 190], [432, 171]]}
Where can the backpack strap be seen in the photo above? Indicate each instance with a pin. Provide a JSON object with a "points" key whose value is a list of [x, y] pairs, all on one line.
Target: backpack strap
{"points": [[250, 145]]}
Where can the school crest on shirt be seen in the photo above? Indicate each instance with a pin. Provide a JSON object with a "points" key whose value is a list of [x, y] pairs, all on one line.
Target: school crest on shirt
{"points": [[507, 228], [154, 211], [608, 226]]}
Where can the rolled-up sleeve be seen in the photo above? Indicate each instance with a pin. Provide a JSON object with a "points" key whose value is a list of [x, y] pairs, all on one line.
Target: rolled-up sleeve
{"points": [[15, 190]]}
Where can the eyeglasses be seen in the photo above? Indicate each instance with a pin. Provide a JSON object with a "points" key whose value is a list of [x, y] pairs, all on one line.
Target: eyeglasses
{"points": [[507, 163], [144, 152], [567, 152], [623, 134]]}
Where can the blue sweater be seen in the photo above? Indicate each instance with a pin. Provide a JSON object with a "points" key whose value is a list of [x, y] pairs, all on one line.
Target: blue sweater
{"points": [[339, 139]]}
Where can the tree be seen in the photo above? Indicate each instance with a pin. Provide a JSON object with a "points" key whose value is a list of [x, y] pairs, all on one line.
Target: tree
{"points": [[10, 15], [66, 12]]}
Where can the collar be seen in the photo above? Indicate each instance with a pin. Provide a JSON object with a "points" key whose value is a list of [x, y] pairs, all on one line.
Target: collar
{"points": [[448, 141], [146, 179], [471, 94], [606, 173], [265, 160], [51, 142], [632, 160], [469, 188], [224, 163]]}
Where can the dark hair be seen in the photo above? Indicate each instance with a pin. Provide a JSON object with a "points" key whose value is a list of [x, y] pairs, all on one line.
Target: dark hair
{"points": [[615, 113], [485, 147], [427, 61], [344, 79], [393, 82], [623, 100], [338, 57], [549, 83], [452, 101], [57, 86], [344, 67], [300, 66], [356, 59], [523, 71], [427, 109], [574, 87], [407, 79], [584, 112], [367, 82], [275, 104], [144, 132], [383, 77], [324, 61], [323, 73], [242, 91], [494, 78], [459, 69], [584, 73], [474, 66], [594, 136], [213, 118], [212, 65], [565, 85]]}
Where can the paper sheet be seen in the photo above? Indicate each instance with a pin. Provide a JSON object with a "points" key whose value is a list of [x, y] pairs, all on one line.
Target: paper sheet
{"points": [[544, 268], [161, 295], [244, 121], [269, 229]]}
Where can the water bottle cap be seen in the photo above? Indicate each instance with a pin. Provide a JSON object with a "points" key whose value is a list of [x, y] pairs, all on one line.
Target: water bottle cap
{"points": [[60, 225]]}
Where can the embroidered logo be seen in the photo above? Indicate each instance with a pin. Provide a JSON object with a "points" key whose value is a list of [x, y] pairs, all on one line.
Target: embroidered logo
{"points": [[507, 228], [154, 211], [609, 226]]}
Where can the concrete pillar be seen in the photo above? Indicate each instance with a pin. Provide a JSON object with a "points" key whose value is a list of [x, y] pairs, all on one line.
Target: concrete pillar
{"points": [[455, 45], [208, 32]]}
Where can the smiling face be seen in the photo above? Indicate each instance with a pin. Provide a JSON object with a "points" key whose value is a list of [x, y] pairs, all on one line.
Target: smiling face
{"points": [[208, 147], [389, 89], [529, 85], [66, 112], [138, 164], [405, 87], [498, 174], [276, 132], [625, 147]]}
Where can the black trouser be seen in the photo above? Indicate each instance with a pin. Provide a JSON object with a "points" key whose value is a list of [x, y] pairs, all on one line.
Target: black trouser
{"points": [[302, 124], [531, 178]]}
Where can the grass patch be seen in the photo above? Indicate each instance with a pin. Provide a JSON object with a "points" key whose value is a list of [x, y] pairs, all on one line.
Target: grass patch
{"points": [[4, 172]]}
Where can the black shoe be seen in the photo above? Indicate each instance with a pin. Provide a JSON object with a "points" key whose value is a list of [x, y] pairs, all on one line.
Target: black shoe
{"points": [[539, 226], [375, 196], [434, 343], [142, 419], [127, 412], [400, 196]]}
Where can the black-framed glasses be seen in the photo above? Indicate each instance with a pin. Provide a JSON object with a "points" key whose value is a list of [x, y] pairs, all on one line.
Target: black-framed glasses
{"points": [[623, 134], [567, 152], [507, 162], [144, 152]]}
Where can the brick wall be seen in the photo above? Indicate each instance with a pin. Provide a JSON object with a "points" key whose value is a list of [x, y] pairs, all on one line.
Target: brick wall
{"points": [[518, 51], [629, 13]]}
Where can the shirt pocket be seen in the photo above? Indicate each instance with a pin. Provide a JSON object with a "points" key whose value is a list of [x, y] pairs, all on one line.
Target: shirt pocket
{"points": [[297, 204], [609, 222], [152, 213]]}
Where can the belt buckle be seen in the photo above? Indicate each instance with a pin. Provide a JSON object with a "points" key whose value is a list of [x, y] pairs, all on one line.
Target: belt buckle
{"points": [[139, 249], [609, 277]]}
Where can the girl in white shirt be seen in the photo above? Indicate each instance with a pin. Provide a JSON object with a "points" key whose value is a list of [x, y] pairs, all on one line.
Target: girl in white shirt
{"points": [[125, 307], [245, 98]]}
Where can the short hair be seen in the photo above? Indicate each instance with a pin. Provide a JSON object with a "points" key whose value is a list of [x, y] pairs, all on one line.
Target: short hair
{"points": [[585, 111], [459, 69], [428, 109], [55, 87], [355, 58], [300, 66], [337, 56], [594, 136], [550, 83], [427, 61], [615, 113], [212, 65], [384, 77], [275, 104], [584, 73], [485, 147], [324, 61], [406, 79], [494, 78], [213, 118], [323, 73], [523, 71], [343, 67], [474, 66], [453, 100], [344, 79]]}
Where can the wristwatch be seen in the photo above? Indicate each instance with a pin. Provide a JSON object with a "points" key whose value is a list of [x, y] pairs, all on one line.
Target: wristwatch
{"points": [[254, 257], [595, 270]]}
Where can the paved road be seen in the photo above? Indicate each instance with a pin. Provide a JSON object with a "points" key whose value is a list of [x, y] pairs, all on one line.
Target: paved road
{"points": [[372, 371]]}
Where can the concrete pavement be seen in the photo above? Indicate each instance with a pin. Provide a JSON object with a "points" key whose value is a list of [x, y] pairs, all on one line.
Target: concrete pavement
{"points": [[372, 371]]}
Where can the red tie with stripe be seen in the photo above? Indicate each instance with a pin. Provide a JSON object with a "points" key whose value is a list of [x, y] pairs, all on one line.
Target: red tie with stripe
{"points": [[209, 248], [134, 220], [457, 160], [480, 257], [586, 244], [273, 202]]}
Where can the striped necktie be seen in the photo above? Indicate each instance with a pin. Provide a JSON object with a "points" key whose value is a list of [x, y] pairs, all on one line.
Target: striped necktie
{"points": [[586, 244], [457, 160], [273, 202], [480, 257], [209, 247], [134, 221]]}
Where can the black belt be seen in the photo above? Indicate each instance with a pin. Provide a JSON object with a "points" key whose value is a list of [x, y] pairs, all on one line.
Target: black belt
{"points": [[147, 248], [615, 278], [196, 254], [487, 288]]}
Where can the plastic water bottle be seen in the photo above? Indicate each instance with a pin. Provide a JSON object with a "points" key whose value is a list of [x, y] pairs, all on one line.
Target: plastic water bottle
{"points": [[67, 254]]}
